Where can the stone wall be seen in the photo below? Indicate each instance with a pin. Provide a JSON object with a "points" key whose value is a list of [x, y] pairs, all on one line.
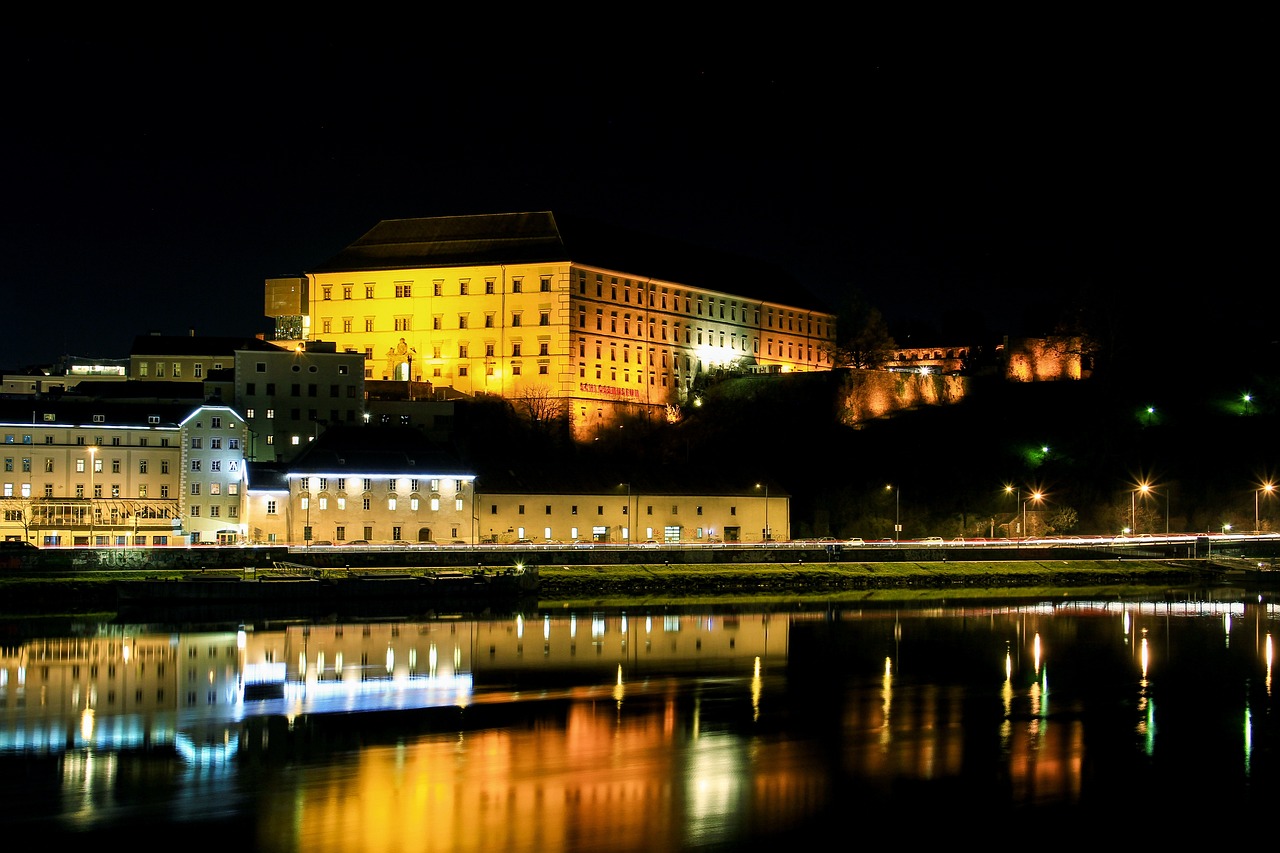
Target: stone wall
{"points": [[865, 395]]}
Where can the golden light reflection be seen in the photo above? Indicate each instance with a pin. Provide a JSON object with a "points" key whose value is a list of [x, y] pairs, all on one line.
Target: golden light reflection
{"points": [[618, 689], [1036, 654], [1144, 655], [86, 724], [755, 690]]}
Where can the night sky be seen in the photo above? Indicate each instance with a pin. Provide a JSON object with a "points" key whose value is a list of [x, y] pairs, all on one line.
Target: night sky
{"points": [[153, 186]]}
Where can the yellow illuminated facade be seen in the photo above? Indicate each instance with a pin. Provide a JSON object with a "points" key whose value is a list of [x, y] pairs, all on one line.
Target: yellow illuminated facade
{"points": [[593, 343]]}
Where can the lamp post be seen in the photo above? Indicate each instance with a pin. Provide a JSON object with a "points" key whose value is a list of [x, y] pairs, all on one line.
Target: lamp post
{"points": [[92, 465], [1034, 496], [767, 534], [1268, 488], [1018, 504], [628, 511], [897, 510]]}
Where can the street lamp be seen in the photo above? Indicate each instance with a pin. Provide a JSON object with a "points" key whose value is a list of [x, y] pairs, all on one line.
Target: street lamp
{"points": [[1268, 488], [897, 510], [92, 465], [627, 513], [1247, 399], [767, 535], [1034, 496], [1145, 489], [1017, 502]]}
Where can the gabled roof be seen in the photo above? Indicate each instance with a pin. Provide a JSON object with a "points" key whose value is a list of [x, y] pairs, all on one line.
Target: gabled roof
{"points": [[77, 412], [169, 345], [374, 449], [546, 237]]}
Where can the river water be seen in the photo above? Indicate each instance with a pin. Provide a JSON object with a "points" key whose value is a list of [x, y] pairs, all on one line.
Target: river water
{"points": [[1035, 722]]}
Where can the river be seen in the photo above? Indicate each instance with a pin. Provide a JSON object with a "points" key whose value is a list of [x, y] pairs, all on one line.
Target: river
{"points": [[1038, 720]]}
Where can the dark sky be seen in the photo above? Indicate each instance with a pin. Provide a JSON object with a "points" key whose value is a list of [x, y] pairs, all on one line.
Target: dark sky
{"points": [[154, 186]]}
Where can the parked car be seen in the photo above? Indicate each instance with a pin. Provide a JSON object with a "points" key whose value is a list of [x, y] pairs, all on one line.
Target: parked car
{"points": [[854, 541]]}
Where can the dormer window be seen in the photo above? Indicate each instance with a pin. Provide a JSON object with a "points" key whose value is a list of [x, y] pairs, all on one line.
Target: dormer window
{"points": [[99, 419]]}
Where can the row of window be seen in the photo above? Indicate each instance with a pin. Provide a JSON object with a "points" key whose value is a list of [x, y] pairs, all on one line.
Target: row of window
{"points": [[24, 490], [366, 504], [81, 466], [658, 299], [214, 510], [197, 369], [625, 509], [215, 443], [295, 390], [98, 440], [261, 367], [404, 289], [321, 484]]}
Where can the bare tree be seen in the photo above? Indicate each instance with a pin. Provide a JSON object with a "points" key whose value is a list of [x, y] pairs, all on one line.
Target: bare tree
{"points": [[541, 407], [863, 340]]}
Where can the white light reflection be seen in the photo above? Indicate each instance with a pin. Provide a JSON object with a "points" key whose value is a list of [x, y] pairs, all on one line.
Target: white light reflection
{"points": [[519, 626], [1006, 697], [1147, 725], [391, 659], [1269, 656], [1226, 627], [1036, 654], [1248, 738], [886, 697]]}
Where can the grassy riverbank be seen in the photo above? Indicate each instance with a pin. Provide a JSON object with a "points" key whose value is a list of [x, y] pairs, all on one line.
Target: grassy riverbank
{"points": [[601, 585]]}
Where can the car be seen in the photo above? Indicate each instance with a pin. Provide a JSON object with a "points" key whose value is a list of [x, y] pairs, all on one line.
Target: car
{"points": [[358, 542], [457, 542], [931, 540], [321, 542], [649, 543], [854, 542]]}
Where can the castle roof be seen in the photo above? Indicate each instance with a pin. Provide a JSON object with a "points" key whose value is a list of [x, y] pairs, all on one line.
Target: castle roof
{"points": [[547, 237]]}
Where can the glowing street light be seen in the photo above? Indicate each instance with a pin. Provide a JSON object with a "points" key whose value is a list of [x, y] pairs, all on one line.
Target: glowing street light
{"points": [[1145, 489], [1018, 505], [1268, 488], [92, 466], [629, 520], [767, 534], [897, 515], [1248, 398], [1037, 497]]}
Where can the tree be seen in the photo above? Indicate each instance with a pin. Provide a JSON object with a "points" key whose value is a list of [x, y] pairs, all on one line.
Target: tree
{"points": [[543, 410], [1062, 520], [863, 339]]}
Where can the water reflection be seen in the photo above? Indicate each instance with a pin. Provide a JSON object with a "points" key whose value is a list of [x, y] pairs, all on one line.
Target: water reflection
{"points": [[668, 729]]}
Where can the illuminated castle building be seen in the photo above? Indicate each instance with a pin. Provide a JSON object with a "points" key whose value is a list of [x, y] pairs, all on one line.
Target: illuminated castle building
{"points": [[596, 323]]}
